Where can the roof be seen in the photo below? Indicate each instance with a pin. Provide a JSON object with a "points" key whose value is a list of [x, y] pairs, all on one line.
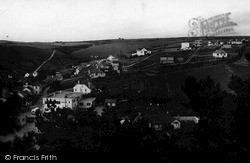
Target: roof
{"points": [[144, 49], [219, 51], [160, 118], [89, 99], [194, 119], [64, 94], [110, 101], [86, 82]]}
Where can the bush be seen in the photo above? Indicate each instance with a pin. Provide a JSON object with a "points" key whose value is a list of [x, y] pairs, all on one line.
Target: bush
{"points": [[247, 56]]}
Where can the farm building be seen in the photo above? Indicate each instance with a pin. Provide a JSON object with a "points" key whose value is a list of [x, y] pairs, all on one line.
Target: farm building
{"points": [[198, 43], [236, 42], [185, 46], [165, 60], [219, 54], [141, 52]]}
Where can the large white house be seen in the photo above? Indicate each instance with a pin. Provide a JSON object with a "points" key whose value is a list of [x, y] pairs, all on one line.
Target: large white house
{"points": [[82, 88], [219, 54], [64, 99]]}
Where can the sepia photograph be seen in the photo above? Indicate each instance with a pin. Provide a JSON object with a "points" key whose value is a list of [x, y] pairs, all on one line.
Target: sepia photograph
{"points": [[125, 80]]}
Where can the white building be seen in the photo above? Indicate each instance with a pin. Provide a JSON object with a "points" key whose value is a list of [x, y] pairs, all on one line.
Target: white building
{"points": [[219, 54], [26, 75], [141, 52], [82, 88], [236, 42], [64, 99], [76, 71], [209, 43], [185, 46], [35, 74], [110, 58], [87, 103]]}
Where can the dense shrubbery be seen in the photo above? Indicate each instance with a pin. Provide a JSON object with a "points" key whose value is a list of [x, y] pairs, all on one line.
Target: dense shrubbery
{"points": [[221, 130]]}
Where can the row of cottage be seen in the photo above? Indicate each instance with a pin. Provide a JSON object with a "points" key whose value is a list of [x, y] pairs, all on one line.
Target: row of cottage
{"points": [[199, 43]]}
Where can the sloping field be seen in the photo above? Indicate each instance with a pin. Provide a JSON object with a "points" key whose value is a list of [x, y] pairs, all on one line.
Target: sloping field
{"points": [[115, 47], [20, 59], [220, 73]]}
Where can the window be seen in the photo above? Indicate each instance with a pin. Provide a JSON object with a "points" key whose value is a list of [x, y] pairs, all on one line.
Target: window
{"points": [[88, 104]]}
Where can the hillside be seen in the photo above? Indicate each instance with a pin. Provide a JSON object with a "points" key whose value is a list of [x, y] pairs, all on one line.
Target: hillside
{"points": [[113, 47], [20, 58]]}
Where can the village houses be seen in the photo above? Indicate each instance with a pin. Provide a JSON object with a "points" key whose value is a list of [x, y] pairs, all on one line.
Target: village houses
{"points": [[96, 73], [219, 54]]}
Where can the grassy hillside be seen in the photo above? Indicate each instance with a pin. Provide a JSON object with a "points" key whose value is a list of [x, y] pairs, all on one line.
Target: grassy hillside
{"points": [[112, 47], [115, 47], [20, 58]]}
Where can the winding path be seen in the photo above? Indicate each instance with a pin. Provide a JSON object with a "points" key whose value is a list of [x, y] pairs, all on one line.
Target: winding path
{"points": [[54, 51]]}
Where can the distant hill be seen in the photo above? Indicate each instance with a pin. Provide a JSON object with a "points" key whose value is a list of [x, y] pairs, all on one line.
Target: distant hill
{"points": [[20, 58], [105, 48]]}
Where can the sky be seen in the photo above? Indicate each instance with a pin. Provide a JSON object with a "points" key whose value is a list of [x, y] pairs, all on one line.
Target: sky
{"points": [[81, 20]]}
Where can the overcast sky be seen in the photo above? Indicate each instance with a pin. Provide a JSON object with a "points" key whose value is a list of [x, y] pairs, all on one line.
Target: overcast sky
{"points": [[75, 20]]}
